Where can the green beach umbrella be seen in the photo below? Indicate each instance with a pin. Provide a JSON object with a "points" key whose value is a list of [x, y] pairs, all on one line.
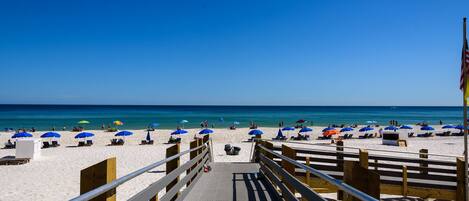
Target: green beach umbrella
{"points": [[83, 122]]}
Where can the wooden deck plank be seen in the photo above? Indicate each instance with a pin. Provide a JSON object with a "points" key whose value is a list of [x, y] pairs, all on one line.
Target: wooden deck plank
{"points": [[231, 181]]}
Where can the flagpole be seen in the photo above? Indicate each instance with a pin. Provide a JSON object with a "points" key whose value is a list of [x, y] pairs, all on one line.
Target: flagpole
{"points": [[465, 114]]}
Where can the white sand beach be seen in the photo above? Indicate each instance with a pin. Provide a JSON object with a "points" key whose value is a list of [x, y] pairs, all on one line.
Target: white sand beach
{"points": [[55, 175]]}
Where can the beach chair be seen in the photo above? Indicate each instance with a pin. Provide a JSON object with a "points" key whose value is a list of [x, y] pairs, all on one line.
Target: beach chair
{"points": [[81, 143], [89, 142], [45, 145], [9, 145], [410, 134], [55, 144]]}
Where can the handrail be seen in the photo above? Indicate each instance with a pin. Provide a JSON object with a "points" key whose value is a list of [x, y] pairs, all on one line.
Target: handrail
{"points": [[104, 188], [379, 150], [338, 183]]}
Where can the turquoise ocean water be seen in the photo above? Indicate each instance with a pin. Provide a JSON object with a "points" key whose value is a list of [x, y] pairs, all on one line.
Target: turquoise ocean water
{"points": [[44, 117]]}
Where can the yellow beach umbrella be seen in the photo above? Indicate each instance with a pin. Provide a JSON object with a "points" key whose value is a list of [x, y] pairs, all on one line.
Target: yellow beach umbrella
{"points": [[118, 123]]}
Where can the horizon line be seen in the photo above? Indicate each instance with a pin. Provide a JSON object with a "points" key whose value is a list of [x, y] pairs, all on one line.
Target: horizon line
{"points": [[221, 105]]}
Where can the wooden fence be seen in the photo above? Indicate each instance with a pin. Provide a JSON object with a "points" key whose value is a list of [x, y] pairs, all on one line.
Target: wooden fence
{"points": [[97, 179], [407, 176]]}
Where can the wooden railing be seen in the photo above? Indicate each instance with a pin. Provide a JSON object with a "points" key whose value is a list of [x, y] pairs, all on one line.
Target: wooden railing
{"points": [[94, 187], [406, 176], [282, 175]]}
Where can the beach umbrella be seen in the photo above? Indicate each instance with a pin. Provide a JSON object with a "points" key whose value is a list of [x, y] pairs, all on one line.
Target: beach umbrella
{"points": [[84, 135], [50, 135], [406, 127], [306, 129], [365, 129], [148, 138], [288, 129], [460, 127], [118, 123], [427, 128], [236, 123], [327, 129], [346, 129], [300, 121], [123, 133], [330, 132], [205, 131], [21, 135], [279, 133], [448, 126], [83, 122], [179, 132], [391, 128], [256, 132]]}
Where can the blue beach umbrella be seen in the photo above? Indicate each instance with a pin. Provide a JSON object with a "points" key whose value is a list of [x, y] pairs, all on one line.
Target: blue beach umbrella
{"points": [[123, 133], [84, 135], [256, 132], [460, 127], [328, 129], [179, 132], [148, 138], [448, 127], [280, 134], [365, 129], [406, 127], [50, 135], [305, 129], [346, 129], [21, 135], [391, 128], [427, 128], [288, 129], [205, 131]]}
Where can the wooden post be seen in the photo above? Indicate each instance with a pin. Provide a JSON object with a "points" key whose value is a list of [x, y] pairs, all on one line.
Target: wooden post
{"points": [[340, 164], [308, 173], [460, 183], [98, 175], [192, 155], [290, 168], [423, 161], [363, 157], [269, 146], [172, 165], [404, 181], [362, 179]]}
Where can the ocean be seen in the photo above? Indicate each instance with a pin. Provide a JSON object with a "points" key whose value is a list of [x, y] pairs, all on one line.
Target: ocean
{"points": [[44, 117]]}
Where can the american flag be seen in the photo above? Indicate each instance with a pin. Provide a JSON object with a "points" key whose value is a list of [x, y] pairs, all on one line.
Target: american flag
{"points": [[464, 63]]}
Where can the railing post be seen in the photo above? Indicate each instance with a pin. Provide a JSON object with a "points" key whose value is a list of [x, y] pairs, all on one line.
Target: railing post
{"points": [[290, 168], [404, 181], [98, 175], [362, 179], [423, 161], [192, 155], [172, 165], [269, 146], [340, 164], [460, 183], [308, 173], [363, 157]]}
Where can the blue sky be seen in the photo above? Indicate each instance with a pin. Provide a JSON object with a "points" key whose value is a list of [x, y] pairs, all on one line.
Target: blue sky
{"points": [[394, 52]]}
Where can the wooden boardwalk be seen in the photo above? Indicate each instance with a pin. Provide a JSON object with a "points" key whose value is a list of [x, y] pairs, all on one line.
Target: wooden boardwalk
{"points": [[231, 181]]}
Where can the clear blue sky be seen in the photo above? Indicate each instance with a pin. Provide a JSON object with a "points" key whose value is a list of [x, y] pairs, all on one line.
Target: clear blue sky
{"points": [[395, 52]]}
